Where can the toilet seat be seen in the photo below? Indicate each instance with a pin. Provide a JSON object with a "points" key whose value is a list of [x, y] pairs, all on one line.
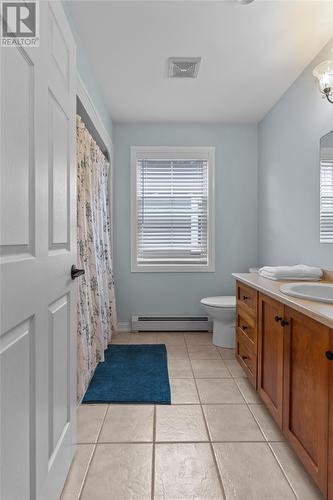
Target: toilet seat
{"points": [[222, 301]]}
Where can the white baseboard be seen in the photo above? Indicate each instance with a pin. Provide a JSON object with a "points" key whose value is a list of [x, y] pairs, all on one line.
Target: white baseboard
{"points": [[123, 326], [171, 323]]}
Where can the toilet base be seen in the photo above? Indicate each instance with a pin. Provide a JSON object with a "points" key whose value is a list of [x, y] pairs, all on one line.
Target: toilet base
{"points": [[223, 335]]}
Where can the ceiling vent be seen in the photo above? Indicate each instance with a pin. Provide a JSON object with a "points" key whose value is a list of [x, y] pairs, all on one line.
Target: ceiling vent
{"points": [[184, 67]]}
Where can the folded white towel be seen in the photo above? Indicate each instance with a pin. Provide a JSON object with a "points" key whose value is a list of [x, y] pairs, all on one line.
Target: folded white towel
{"points": [[299, 272]]}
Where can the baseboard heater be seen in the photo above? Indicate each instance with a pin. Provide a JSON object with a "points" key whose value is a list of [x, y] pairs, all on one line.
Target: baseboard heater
{"points": [[171, 323]]}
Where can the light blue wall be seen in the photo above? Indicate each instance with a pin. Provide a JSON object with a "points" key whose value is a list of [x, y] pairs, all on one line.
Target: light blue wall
{"points": [[88, 78], [236, 218], [289, 174]]}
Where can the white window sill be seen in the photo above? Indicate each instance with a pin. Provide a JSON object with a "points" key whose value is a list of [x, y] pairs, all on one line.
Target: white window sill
{"points": [[172, 269]]}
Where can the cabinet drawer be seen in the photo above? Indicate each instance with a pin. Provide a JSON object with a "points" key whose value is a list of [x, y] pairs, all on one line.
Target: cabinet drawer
{"points": [[246, 356], [247, 298], [247, 325]]}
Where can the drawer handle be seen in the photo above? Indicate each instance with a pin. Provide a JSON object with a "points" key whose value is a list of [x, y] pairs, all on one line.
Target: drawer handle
{"points": [[329, 355], [278, 318], [245, 297]]}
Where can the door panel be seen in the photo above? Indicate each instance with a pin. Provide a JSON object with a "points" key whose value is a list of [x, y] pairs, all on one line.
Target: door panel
{"points": [[38, 247], [17, 190], [270, 355], [59, 333], [306, 392], [59, 52], [17, 401], [59, 175]]}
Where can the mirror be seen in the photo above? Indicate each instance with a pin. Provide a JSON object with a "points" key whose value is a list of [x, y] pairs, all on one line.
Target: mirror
{"points": [[326, 188]]}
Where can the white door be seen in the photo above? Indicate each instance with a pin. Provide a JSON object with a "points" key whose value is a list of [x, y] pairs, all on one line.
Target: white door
{"points": [[38, 247]]}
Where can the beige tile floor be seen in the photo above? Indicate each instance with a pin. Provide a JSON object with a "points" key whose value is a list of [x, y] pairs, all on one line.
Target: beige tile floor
{"points": [[215, 441]]}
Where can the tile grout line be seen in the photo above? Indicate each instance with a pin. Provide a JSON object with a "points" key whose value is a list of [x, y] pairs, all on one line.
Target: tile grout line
{"points": [[253, 417], [282, 470], [86, 472], [183, 442], [194, 378], [153, 457], [211, 443], [248, 404], [257, 422], [207, 430], [248, 407], [268, 443], [93, 454]]}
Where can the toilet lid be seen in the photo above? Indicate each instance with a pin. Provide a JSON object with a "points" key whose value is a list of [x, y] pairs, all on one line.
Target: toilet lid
{"points": [[221, 301]]}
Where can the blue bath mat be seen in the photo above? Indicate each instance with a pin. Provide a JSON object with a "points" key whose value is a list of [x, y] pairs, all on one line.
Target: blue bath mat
{"points": [[131, 374]]}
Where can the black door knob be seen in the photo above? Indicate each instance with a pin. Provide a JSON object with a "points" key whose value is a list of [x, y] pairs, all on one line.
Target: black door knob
{"points": [[284, 322], [75, 273], [278, 318], [329, 355]]}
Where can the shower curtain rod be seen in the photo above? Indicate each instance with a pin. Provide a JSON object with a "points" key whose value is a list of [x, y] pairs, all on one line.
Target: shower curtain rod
{"points": [[80, 109]]}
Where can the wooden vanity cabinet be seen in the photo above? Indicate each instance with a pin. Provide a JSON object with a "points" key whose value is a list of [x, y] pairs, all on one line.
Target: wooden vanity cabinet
{"points": [[330, 430], [292, 356], [306, 392], [270, 355]]}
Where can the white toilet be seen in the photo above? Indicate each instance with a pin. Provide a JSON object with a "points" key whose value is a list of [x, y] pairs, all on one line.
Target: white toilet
{"points": [[222, 310]]}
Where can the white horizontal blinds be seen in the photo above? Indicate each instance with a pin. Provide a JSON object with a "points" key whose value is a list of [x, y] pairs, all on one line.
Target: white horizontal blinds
{"points": [[172, 211], [326, 195]]}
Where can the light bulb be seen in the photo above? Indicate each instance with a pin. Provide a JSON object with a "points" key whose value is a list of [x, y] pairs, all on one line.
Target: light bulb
{"points": [[324, 74]]}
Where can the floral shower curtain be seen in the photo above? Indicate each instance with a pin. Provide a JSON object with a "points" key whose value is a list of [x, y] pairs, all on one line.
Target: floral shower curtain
{"points": [[96, 304]]}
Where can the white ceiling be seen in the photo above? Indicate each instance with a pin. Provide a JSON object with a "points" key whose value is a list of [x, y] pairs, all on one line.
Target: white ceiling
{"points": [[250, 54]]}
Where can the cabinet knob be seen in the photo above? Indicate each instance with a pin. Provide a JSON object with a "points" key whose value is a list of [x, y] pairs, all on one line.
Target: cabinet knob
{"points": [[278, 318], [329, 355], [244, 327], [245, 297], [245, 357], [284, 322]]}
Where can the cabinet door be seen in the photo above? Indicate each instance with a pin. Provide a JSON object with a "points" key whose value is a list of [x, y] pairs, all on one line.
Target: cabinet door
{"points": [[330, 425], [270, 355], [306, 385]]}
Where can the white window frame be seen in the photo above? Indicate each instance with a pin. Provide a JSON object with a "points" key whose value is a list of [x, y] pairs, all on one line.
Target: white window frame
{"points": [[197, 152], [326, 155]]}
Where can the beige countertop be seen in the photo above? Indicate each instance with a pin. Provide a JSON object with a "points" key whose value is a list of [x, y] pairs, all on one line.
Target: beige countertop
{"points": [[319, 311]]}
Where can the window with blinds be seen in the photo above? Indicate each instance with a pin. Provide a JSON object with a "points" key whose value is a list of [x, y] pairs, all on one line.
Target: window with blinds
{"points": [[326, 195], [172, 210]]}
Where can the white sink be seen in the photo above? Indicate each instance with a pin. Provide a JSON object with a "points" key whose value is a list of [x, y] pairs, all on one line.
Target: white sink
{"points": [[320, 292]]}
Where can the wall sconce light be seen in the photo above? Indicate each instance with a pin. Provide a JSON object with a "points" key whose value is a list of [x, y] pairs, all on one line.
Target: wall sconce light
{"points": [[324, 73]]}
